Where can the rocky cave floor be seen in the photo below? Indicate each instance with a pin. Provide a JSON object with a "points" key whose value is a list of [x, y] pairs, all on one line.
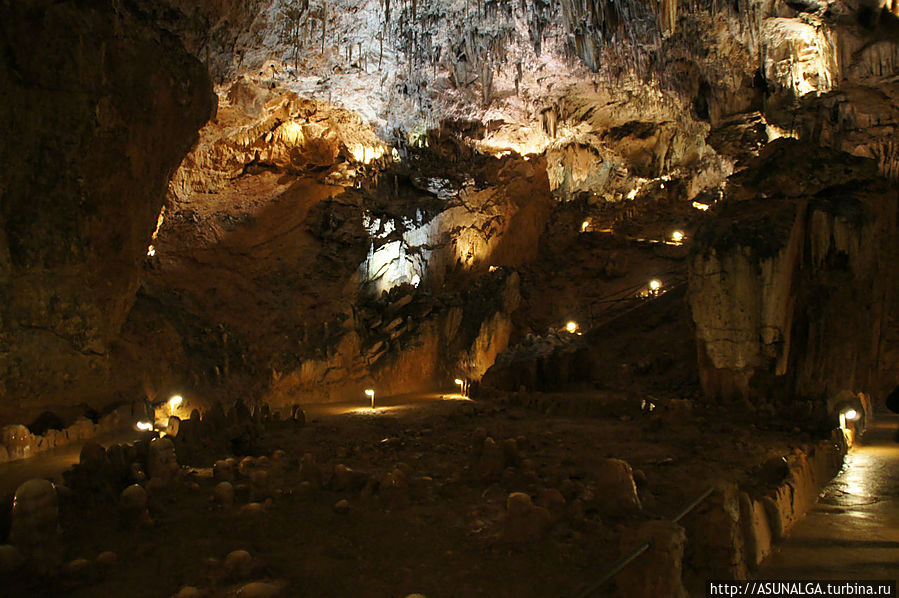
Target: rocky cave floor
{"points": [[420, 510]]}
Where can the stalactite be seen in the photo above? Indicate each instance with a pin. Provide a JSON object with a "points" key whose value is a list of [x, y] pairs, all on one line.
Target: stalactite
{"points": [[324, 24]]}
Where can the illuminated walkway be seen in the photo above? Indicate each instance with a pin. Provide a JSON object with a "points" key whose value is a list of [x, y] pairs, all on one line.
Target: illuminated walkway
{"points": [[853, 532]]}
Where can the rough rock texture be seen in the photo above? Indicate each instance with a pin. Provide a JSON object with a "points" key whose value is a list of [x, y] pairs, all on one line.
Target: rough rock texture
{"points": [[793, 278], [716, 542], [294, 258], [361, 146], [97, 106], [658, 572]]}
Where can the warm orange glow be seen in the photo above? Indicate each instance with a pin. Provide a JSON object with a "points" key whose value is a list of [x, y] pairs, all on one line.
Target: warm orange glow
{"points": [[655, 284], [677, 236], [585, 225], [144, 426], [151, 251], [700, 206], [571, 327]]}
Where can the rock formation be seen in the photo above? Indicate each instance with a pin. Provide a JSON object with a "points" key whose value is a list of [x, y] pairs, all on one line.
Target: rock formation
{"points": [[97, 106], [793, 278], [361, 148]]}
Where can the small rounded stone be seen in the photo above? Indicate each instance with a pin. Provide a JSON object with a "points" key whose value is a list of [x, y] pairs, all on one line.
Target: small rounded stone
{"points": [[107, 559]]}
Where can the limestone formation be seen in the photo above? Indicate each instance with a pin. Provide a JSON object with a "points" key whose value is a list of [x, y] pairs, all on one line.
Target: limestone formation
{"points": [[78, 218], [618, 492], [768, 278], [659, 571], [238, 564], [18, 441], [223, 470], [714, 531], [133, 504], [524, 521], [162, 463], [664, 231], [224, 494], [35, 525]]}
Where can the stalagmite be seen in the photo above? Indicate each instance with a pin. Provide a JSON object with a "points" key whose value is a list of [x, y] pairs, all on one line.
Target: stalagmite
{"points": [[35, 525]]}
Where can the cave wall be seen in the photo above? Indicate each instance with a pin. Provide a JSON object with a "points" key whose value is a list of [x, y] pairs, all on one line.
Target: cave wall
{"points": [[792, 279], [98, 106], [293, 232], [562, 101]]}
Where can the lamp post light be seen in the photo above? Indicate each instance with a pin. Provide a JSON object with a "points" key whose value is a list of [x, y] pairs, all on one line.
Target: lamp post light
{"points": [[461, 384], [369, 392]]}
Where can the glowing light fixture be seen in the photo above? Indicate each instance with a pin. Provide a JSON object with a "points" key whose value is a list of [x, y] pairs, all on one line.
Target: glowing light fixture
{"points": [[151, 251], [175, 401], [144, 426], [700, 206], [585, 225], [655, 285], [850, 430], [677, 236], [369, 392], [571, 327]]}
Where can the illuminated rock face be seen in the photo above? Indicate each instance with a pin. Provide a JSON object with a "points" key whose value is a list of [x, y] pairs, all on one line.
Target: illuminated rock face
{"points": [[97, 107], [280, 203], [793, 279], [320, 260]]}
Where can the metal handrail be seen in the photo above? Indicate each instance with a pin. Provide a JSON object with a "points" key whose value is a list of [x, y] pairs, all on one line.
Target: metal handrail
{"points": [[639, 549], [693, 504]]}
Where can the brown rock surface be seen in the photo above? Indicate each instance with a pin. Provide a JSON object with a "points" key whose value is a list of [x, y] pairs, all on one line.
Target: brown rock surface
{"points": [[798, 260], [97, 107]]}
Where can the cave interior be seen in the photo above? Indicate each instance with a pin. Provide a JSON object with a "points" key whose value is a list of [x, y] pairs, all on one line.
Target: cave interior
{"points": [[436, 297]]}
